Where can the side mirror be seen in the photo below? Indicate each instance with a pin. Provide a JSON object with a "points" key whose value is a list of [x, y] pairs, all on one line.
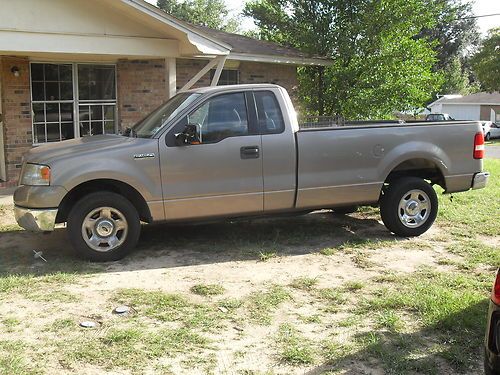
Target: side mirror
{"points": [[189, 136]]}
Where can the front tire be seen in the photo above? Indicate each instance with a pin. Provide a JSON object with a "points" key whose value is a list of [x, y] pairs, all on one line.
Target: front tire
{"points": [[409, 206], [487, 137], [104, 227]]}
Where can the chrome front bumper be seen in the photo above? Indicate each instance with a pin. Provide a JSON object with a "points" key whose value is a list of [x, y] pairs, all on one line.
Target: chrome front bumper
{"points": [[480, 180], [36, 219]]}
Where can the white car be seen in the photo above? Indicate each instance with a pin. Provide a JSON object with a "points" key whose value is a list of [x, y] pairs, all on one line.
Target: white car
{"points": [[490, 130]]}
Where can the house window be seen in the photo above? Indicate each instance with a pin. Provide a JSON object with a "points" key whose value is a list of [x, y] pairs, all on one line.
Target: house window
{"points": [[227, 77], [59, 92]]}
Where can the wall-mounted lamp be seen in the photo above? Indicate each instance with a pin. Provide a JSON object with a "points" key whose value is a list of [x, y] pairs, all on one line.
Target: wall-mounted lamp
{"points": [[15, 71]]}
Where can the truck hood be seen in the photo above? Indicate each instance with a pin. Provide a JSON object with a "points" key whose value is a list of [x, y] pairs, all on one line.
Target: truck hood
{"points": [[79, 147]]}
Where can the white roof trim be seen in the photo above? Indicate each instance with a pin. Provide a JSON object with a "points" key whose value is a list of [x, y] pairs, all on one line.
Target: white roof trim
{"points": [[279, 60], [203, 42], [466, 103]]}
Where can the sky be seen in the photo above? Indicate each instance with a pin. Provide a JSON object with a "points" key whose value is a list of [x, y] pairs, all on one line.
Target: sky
{"points": [[480, 7]]}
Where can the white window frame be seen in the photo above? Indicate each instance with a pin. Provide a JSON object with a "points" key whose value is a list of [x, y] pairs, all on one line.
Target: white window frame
{"points": [[75, 101]]}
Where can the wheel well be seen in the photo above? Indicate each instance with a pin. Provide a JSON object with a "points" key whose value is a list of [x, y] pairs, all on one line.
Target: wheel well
{"points": [[422, 168], [115, 186]]}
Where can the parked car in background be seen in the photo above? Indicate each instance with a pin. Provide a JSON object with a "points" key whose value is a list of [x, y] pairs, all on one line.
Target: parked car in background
{"points": [[490, 130], [492, 340], [439, 117], [239, 151]]}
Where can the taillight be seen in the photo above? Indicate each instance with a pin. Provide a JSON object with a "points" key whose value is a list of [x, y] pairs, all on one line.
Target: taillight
{"points": [[495, 293], [479, 146]]}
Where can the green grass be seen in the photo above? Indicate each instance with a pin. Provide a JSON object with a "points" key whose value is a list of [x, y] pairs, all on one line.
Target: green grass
{"points": [[261, 305], [133, 348], [449, 306], [10, 323], [166, 307], [304, 283], [31, 285], [264, 256], [292, 347], [473, 212], [13, 359], [207, 289], [475, 253]]}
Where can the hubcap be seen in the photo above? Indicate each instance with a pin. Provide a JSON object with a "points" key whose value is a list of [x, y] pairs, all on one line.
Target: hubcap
{"points": [[414, 208], [104, 229]]}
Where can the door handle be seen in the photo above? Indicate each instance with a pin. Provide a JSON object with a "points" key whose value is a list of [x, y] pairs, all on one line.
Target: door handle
{"points": [[250, 152]]}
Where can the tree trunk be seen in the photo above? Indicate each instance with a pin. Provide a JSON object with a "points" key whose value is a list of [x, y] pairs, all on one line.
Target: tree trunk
{"points": [[321, 90]]}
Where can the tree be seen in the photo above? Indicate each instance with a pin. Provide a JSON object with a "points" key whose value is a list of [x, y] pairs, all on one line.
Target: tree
{"points": [[209, 13], [454, 33], [454, 36], [379, 65], [456, 80], [486, 63]]}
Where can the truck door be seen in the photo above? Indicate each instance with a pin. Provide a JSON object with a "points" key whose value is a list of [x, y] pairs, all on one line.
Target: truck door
{"points": [[278, 148], [219, 174]]}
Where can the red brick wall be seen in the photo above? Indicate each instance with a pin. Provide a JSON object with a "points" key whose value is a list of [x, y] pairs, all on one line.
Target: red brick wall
{"points": [[16, 115], [141, 88]]}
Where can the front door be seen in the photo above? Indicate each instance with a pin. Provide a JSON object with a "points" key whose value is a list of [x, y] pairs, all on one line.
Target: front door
{"points": [[3, 172], [221, 175]]}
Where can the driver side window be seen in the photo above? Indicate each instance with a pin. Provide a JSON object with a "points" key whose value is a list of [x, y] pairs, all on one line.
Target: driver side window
{"points": [[220, 117]]}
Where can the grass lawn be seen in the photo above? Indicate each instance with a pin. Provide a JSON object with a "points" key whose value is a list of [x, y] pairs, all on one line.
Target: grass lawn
{"points": [[319, 294]]}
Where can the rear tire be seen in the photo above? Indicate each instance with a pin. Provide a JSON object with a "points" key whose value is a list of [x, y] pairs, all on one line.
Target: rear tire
{"points": [[409, 206], [487, 137], [103, 227]]}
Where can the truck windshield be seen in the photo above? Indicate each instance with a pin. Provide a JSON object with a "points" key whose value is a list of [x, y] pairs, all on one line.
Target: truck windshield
{"points": [[148, 126]]}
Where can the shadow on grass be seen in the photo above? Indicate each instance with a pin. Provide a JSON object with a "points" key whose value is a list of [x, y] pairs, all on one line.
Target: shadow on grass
{"points": [[169, 246], [451, 345]]}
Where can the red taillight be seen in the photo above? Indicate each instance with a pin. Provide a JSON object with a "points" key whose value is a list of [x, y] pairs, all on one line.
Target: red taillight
{"points": [[495, 293], [479, 146]]}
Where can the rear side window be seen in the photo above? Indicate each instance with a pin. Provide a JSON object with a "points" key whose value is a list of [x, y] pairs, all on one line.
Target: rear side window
{"points": [[269, 113]]}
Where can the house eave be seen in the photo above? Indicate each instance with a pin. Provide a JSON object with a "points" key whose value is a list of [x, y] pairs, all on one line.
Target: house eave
{"points": [[204, 43], [280, 59]]}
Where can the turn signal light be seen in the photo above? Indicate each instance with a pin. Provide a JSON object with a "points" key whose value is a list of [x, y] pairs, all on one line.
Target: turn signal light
{"points": [[45, 173], [479, 146]]}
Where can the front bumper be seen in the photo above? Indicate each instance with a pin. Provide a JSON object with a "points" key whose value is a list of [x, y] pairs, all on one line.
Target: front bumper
{"points": [[480, 180], [36, 219]]}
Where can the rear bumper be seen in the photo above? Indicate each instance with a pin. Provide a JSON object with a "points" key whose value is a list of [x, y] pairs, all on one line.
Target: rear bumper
{"points": [[35, 219], [480, 180]]}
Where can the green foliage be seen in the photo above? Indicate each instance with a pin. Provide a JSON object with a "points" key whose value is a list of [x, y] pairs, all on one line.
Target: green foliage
{"points": [[379, 65], [209, 13], [454, 31], [486, 62], [456, 79], [454, 35]]}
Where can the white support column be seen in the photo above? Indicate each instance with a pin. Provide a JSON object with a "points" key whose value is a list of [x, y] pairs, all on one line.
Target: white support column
{"points": [[201, 73], [170, 76], [218, 71], [3, 171]]}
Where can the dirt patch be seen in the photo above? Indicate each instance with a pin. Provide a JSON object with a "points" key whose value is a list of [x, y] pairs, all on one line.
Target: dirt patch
{"points": [[171, 259]]}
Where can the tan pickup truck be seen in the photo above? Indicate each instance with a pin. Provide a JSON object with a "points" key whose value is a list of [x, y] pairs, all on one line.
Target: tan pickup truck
{"points": [[239, 151]]}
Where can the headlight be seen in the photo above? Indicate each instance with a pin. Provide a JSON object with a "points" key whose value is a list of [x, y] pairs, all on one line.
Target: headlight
{"points": [[35, 174]]}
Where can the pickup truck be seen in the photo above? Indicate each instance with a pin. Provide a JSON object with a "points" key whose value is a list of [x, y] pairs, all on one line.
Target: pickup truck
{"points": [[236, 152]]}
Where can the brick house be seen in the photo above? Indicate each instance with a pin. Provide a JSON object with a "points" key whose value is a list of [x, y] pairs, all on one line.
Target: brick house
{"points": [[83, 67]]}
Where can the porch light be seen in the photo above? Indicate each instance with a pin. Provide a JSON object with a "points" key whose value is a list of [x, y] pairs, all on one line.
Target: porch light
{"points": [[15, 71]]}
